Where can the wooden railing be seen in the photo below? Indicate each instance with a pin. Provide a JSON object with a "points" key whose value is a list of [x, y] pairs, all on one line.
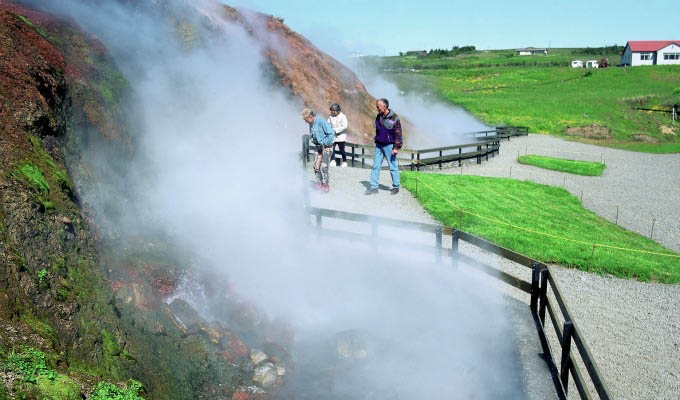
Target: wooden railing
{"points": [[482, 148], [541, 288]]}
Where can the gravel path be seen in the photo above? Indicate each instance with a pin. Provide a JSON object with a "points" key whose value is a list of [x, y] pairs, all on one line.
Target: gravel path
{"points": [[632, 328]]}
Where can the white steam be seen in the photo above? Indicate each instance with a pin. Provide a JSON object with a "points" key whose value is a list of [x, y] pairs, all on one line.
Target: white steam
{"points": [[217, 169], [436, 124]]}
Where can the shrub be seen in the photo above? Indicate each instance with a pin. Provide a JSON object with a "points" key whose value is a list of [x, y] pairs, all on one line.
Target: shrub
{"points": [[109, 391]]}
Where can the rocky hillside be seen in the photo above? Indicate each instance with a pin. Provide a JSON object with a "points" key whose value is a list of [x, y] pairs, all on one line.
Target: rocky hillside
{"points": [[318, 79], [79, 318]]}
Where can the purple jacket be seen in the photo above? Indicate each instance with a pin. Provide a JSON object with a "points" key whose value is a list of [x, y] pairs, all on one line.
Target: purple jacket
{"points": [[388, 130]]}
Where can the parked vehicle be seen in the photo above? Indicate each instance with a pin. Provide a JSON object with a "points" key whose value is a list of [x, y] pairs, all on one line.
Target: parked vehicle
{"points": [[592, 64], [577, 64], [604, 63]]}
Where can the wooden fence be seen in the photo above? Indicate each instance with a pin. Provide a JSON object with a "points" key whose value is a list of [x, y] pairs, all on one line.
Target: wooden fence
{"points": [[542, 287], [484, 146]]}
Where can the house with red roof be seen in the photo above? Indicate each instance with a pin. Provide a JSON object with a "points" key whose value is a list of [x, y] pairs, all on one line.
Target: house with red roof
{"points": [[651, 52]]}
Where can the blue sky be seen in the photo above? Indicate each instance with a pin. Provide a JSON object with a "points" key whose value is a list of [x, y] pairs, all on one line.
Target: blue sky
{"points": [[387, 27]]}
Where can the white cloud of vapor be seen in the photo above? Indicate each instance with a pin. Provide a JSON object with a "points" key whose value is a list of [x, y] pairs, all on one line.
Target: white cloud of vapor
{"points": [[217, 168]]}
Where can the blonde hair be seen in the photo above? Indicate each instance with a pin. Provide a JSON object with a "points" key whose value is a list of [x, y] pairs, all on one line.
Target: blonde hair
{"points": [[307, 113]]}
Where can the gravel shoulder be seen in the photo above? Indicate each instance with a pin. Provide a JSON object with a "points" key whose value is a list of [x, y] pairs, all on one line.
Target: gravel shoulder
{"points": [[632, 328]]}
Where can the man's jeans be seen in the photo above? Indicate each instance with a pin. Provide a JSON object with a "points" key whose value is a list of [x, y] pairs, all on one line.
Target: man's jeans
{"points": [[381, 152]]}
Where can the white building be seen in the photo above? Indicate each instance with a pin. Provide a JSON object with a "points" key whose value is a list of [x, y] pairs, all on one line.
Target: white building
{"points": [[529, 51], [651, 52]]}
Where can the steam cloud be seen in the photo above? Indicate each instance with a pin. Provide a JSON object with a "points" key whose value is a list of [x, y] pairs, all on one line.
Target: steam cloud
{"points": [[216, 168]]}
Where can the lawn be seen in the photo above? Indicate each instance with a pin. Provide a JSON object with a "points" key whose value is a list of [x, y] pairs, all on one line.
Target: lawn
{"points": [[543, 222], [587, 168], [543, 93]]}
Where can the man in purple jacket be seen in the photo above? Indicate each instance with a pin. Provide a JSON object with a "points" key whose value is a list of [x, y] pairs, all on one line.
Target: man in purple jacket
{"points": [[388, 141]]}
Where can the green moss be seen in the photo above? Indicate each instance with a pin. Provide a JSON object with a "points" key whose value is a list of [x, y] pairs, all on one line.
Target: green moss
{"points": [[3, 391], [40, 327], [60, 387], [34, 176], [58, 174], [111, 346], [109, 391], [38, 29], [112, 86]]}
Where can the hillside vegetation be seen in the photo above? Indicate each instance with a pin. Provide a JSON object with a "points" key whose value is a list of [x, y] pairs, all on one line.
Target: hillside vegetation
{"points": [[545, 94]]}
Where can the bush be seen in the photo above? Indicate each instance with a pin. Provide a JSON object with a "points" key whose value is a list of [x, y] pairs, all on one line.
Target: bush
{"points": [[109, 391]]}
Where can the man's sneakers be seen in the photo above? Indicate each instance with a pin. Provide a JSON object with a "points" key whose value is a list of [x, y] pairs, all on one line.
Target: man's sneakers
{"points": [[343, 165], [318, 186], [370, 191]]}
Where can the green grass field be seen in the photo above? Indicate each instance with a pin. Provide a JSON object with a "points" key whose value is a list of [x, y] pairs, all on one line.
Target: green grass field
{"points": [[543, 93], [587, 168], [520, 209]]}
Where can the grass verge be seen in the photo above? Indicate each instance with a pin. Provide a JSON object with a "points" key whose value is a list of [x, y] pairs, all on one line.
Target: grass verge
{"points": [[543, 222], [587, 168]]}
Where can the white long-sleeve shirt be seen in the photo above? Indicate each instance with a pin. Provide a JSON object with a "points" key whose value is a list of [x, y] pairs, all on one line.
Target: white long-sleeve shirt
{"points": [[339, 124]]}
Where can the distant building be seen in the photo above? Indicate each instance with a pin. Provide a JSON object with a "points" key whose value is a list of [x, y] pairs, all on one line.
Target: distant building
{"points": [[421, 53], [651, 52], [530, 51]]}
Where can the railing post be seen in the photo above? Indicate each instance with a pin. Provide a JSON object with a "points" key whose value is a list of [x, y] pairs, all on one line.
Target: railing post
{"points": [[352, 155], [460, 156], [455, 236], [438, 235], [440, 159], [412, 157], [543, 295], [535, 277], [305, 151], [567, 333], [363, 160], [418, 161], [479, 154]]}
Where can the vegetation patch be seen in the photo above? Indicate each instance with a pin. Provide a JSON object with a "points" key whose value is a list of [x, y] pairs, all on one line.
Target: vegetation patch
{"points": [[30, 363], [545, 94], [587, 168], [40, 327], [34, 176], [109, 391], [543, 222], [35, 27], [38, 377]]}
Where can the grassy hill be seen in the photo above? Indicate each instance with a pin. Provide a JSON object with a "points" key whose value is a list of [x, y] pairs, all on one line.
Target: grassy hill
{"points": [[545, 94]]}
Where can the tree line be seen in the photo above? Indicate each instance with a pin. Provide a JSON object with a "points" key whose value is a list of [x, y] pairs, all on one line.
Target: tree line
{"points": [[439, 53]]}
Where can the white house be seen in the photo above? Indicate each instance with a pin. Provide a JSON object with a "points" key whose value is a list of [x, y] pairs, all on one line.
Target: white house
{"points": [[531, 51], [651, 52]]}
